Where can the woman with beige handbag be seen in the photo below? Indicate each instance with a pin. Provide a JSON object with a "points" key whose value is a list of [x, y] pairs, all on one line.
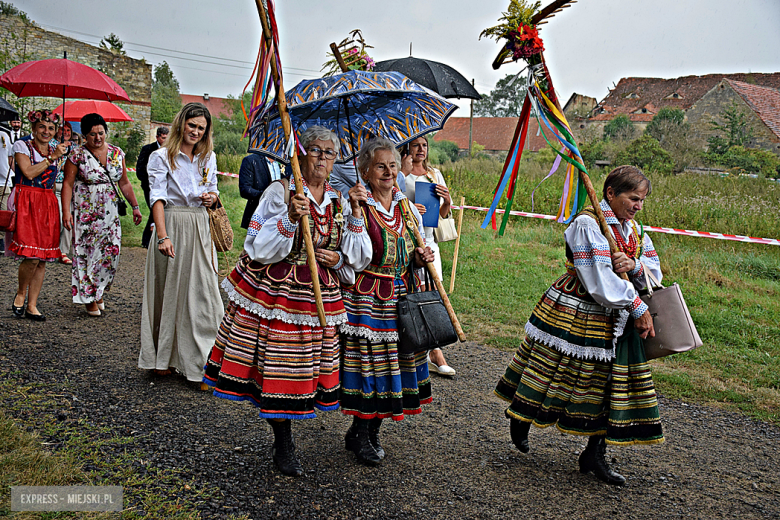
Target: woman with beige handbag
{"points": [[582, 366], [415, 167], [182, 305]]}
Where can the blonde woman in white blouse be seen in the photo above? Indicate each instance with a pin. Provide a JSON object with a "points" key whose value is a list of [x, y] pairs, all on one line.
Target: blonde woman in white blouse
{"points": [[182, 306], [416, 168]]}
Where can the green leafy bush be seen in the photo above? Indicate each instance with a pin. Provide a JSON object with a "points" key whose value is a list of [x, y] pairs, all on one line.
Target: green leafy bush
{"points": [[619, 129], [441, 151], [646, 153], [749, 160]]}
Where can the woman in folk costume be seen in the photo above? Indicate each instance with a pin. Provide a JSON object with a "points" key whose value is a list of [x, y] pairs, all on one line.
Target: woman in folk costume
{"points": [[582, 366], [271, 349], [376, 381], [35, 241], [181, 305]]}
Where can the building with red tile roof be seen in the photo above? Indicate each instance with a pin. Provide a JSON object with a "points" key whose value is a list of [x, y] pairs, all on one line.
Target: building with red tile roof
{"points": [[760, 104], [218, 107], [641, 98], [494, 133]]}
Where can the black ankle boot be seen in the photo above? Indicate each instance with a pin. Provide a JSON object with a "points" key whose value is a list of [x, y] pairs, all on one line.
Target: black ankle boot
{"points": [[358, 441], [373, 436], [593, 459], [518, 430], [283, 450]]}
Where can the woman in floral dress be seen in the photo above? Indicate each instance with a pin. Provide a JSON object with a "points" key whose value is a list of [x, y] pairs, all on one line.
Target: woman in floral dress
{"points": [[97, 233]]}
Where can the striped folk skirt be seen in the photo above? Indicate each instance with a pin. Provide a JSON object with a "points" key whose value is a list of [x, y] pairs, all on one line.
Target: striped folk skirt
{"points": [[550, 382], [270, 349], [377, 381]]}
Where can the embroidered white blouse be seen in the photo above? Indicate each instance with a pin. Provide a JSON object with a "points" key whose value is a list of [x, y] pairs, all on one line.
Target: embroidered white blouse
{"points": [[593, 263], [269, 238], [184, 185]]}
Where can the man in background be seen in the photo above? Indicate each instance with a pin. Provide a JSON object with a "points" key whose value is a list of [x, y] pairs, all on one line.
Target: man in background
{"points": [[16, 130], [143, 176], [254, 176]]}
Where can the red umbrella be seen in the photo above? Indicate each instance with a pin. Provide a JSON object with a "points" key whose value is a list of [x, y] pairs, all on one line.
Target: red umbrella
{"points": [[75, 110], [61, 78]]}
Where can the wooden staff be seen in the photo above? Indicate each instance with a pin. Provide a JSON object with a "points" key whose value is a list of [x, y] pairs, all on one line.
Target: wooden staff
{"points": [[457, 245], [436, 280], [281, 102]]}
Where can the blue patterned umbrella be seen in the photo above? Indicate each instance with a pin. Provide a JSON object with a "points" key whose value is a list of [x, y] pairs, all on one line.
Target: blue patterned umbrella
{"points": [[356, 105]]}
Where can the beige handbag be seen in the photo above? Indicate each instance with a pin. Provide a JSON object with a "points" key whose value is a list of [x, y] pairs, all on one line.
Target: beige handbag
{"points": [[221, 231], [675, 331], [446, 230]]}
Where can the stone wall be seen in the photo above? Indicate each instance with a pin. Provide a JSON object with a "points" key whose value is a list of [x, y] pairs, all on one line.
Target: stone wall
{"points": [[708, 109], [20, 42]]}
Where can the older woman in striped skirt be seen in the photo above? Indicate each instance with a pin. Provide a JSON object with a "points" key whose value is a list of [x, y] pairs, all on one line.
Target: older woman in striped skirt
{"points": [[582, 366], [270, 348]]}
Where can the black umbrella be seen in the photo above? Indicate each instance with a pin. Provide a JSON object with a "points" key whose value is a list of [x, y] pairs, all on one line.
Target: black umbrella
{"points": [[7, 111], [441, 78]]}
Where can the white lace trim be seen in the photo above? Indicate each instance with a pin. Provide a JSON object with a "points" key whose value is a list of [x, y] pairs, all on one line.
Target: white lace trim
{"points": [[369, 334], [278, 314], [620, 326], [570, 349]]}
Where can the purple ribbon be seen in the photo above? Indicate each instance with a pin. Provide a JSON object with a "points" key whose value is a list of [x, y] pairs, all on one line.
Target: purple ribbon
{"points": [[552, 171]]}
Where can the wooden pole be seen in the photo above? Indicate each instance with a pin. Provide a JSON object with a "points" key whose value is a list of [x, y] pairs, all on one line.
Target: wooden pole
{"points": [[296, 168], [471, 122], [457, 245], [594, 198], [339, 58], [436, 280]]}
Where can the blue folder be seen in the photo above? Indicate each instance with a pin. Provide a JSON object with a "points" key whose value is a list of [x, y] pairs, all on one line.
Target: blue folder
{"points": [[425, 194]]}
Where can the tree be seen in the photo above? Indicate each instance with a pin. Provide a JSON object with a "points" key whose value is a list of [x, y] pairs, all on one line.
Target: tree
{"points": [[619, 129], [667, 124], [166, 100], [8, 9], [504, 100], [647, 154], [114, 44], [677, 137], [229, 133], [736, 128]]}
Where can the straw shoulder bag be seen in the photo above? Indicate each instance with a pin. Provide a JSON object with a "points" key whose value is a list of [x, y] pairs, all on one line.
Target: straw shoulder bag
{"points": [[675, 331], [221, 231]]}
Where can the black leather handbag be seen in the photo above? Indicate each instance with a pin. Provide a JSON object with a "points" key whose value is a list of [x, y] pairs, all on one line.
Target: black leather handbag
{"points": [[423, 322]]}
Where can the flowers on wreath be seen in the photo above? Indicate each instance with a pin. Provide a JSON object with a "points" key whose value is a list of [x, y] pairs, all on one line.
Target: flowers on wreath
{"points": [[43, 115], [524, 42]]}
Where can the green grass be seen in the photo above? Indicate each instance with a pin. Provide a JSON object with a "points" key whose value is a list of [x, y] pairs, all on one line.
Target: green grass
{"points": [[24, 460], [732, 289]]}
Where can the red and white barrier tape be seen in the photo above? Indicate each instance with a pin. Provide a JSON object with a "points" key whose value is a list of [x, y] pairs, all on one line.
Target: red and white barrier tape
{"points": [[670, 231]]}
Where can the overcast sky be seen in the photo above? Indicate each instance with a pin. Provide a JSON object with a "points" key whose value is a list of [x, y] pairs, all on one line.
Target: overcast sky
{"points": [[588, 46]]}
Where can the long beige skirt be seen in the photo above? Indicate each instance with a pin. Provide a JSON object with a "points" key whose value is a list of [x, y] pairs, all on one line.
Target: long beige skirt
{"points": [[182, 307]]}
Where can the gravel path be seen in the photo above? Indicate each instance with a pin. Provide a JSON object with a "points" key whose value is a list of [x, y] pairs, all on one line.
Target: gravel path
{"points": [[454, 460]]}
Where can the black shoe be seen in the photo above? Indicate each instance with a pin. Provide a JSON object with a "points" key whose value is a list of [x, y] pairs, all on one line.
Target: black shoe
{"points": [[373, 437], [593, 459], [518, 430], [34, 317], [18, 311], [358, 442], [351, 438], [283, 449]]}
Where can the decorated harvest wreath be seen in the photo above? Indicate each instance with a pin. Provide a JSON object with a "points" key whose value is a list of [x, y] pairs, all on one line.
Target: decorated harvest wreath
{"points": [[520, 35]]}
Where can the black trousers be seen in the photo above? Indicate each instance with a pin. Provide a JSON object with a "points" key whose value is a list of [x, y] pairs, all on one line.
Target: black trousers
{"points": [[147, 235]]}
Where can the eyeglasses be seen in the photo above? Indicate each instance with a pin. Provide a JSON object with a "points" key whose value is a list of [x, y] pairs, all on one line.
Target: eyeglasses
{"points": [[316, 152]]}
